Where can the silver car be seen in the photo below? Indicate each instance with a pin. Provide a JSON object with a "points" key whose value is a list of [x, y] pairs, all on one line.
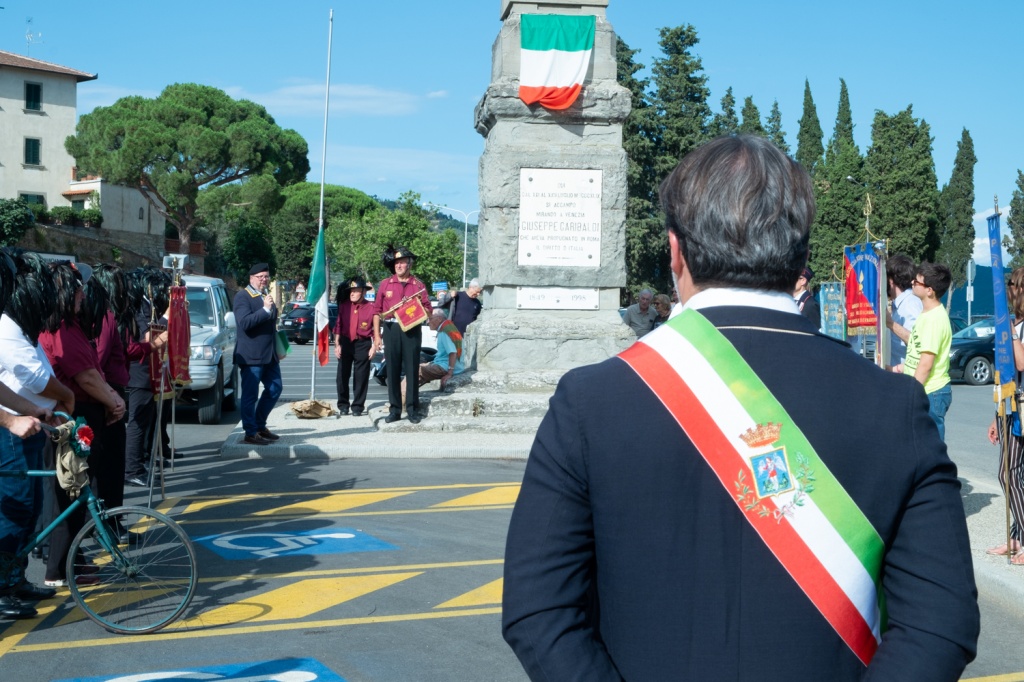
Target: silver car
{"points": [[215, 383]]}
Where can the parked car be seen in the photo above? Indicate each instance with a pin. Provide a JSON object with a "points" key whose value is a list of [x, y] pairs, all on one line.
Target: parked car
{"points": [[215, 384], [972, 353], [298, 323]]}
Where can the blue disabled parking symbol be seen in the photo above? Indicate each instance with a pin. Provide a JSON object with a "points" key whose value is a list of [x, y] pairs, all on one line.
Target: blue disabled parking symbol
{"points": [[287, 670], [248, 545]]}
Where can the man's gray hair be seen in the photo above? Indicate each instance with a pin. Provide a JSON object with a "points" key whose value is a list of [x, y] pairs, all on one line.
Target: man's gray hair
{"points": [[475, 284], [742, 212]]}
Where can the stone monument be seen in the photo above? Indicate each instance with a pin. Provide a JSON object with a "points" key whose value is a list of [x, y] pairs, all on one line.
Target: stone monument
{"points": [[552, 211], [552, 240]]}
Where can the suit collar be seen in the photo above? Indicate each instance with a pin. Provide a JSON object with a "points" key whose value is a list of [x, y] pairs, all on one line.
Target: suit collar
{"points": [[750, 316]]}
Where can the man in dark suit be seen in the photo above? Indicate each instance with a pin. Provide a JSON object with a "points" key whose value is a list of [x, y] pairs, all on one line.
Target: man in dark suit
{"points": [[637, 554], [256, 355]]}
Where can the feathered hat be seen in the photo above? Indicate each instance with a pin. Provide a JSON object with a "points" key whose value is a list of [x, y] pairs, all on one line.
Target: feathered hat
{"points": [[393, 253]]}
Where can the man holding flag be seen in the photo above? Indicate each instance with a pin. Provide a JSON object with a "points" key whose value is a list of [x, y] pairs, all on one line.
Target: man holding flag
{"points": [[256, 355]]}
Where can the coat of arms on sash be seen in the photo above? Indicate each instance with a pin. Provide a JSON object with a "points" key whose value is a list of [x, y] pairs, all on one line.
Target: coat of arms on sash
{"points": [[772, 474]]}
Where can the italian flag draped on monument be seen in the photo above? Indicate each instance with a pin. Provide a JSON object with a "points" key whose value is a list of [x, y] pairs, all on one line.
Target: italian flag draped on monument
{"points": [[555, 57]]}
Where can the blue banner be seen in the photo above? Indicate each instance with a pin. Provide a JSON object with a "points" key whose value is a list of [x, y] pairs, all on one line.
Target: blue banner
{"points": [[1006, 374], [833, 310]]}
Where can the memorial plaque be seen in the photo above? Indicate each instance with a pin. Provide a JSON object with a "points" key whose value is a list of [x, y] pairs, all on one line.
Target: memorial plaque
{"points": [[557, 298], [560, 217]]}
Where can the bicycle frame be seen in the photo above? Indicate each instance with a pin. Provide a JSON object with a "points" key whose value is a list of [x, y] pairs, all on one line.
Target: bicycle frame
{"points": [[86, 496]]}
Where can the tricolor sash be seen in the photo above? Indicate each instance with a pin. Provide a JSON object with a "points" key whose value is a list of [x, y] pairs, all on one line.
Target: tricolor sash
{"points": [[784, 490]]}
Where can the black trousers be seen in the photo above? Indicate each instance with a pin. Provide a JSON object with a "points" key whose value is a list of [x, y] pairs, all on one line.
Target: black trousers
{"points": [[141, 415], [108, 471], [355, 367], [402, 353]]}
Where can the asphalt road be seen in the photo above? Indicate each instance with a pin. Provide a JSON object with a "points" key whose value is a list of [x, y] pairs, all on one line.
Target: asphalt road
{"points": [[362, 569]]}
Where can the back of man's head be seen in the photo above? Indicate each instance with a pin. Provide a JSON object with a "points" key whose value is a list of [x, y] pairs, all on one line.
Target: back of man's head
{"points": [[900, 268], [742, 212]]}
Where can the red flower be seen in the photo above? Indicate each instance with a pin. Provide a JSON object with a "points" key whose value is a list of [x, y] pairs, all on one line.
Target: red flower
{"points": [[84, 436]]}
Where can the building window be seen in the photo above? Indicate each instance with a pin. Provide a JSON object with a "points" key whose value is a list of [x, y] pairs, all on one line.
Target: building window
{"points": [[78, 204], [34, 199], [141, 213], [33, 148], [34, 96]]}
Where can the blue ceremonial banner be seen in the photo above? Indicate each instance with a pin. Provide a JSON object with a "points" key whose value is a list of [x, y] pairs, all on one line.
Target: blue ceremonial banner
{"points": [[1006, 374], [833, 310]]}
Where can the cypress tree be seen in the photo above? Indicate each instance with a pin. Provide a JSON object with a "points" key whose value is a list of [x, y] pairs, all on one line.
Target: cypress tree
{"points": [[839, 191], [751, 118], [680, 97], [901, 175], [773, 128], [646, 257], [726, 122], [809, 149], [956, 213], [1014, 242]]}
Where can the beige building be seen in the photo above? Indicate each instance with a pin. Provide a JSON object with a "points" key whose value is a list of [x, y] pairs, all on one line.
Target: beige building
{"points": [[38, 110]]}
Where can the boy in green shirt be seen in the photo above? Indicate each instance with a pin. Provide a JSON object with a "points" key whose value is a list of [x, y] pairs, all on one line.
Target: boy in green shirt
{"points": [[928, 345]]}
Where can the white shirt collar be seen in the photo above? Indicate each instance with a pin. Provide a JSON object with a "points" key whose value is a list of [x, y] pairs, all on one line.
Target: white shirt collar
{"points": [[734, 296]]}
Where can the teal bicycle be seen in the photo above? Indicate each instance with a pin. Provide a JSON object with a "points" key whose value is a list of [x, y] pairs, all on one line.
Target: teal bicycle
{"points": [[136, 566]]}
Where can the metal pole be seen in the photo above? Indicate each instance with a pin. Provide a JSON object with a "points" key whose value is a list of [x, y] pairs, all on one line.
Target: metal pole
{"points": [[320, 221], [465, 249]]}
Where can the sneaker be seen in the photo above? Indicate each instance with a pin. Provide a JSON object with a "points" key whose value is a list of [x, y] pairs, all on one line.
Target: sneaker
{"points": [[80, 580], [357, 412], [255, 439], [137, 481], [267, 434]]}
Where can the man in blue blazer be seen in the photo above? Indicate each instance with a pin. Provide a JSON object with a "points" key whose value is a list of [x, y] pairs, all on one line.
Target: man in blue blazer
{"points": [[256, 355], [827, 541]]}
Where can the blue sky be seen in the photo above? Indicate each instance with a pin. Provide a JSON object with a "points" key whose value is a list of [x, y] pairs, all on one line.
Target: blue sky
{"points": [[406, 75]]}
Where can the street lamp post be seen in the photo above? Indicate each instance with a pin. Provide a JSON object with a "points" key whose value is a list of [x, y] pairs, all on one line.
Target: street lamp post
{"points": [[465, 234]]}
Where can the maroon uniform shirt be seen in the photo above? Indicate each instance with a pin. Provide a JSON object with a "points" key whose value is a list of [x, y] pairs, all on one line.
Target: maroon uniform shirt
{"points": [[391, 291], [355, 320]]}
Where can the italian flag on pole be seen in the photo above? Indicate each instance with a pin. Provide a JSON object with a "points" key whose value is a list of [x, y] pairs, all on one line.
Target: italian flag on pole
{"points": [[318, 278], [554, 59]]}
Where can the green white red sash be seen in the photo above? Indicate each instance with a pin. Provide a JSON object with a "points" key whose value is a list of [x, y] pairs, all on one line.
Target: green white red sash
{"points": [[814, 528]]}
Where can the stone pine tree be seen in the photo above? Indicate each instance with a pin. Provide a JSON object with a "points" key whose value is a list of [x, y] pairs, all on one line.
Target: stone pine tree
{"points": [[680, 98], [809, 149], [956, 213], [840, 193], [188, 138], [726, 122], [900, 172], [1014, 242], [773, 128], [751, 118], [645, 255]]}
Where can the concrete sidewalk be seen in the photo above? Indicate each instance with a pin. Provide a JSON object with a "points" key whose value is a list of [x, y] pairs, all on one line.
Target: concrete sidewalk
{"points": [[351, 437], [358, 437]]}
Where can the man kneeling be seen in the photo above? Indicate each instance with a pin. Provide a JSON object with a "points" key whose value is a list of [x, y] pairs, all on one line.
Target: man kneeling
{"points": [[448, 360]]}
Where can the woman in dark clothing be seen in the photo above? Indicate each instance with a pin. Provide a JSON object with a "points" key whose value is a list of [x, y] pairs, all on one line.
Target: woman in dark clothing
{"points": [[76, 365]]}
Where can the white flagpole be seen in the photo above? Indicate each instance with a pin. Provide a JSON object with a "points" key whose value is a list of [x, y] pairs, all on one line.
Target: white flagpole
{"points": [[320, 222]]}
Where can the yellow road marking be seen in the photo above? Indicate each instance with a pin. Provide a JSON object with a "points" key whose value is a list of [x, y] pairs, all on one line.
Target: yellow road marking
{"points": [[104, 603], [298, 600], [19, 629], [502, 495], [1008, 677], [194, 507], [328, 515], [331, 503], [411, 489], [350, 571], [481, 596], [163, 635]]}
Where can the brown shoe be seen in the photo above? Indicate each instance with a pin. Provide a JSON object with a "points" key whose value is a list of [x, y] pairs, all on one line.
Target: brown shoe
{"points": [[255, 439], [266, 434]]}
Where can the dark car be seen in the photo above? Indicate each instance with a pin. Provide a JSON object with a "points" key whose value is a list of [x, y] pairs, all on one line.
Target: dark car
{"points": [[298, 323], [972, 353]]}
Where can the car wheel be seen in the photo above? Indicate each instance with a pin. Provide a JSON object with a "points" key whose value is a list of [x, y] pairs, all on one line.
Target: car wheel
{"points": [[231, 401], [211, 401], [978, 371]]}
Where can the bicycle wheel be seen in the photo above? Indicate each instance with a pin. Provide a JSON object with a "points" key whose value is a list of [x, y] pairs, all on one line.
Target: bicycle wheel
{"points": [[139, 583]]}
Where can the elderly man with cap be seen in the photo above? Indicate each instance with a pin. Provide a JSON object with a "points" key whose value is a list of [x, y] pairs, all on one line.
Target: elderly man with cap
{"points": [[805, 300], [354, 344], [256, 355], [401, 299]]}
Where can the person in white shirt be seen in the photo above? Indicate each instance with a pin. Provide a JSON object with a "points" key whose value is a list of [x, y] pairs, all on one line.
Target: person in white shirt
{"points": [[906, 306]]}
